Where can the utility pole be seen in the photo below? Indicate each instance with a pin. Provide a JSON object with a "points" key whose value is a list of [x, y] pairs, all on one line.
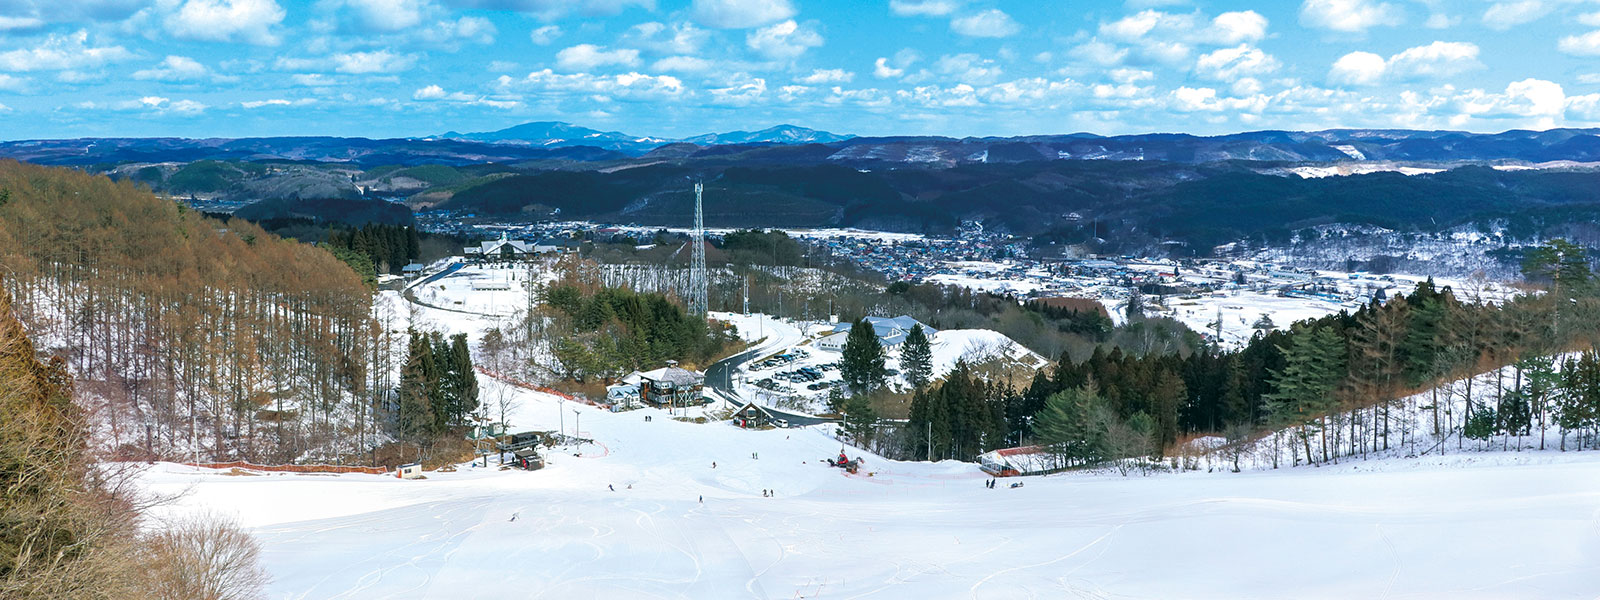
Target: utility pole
{"points": [[930, 441]]}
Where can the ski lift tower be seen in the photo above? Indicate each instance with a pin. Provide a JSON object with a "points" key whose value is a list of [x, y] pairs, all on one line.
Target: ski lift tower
{"points": [[697, 271]]}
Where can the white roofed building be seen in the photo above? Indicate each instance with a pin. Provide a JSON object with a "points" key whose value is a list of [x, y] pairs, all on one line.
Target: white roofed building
{"points": [[503, 249]]}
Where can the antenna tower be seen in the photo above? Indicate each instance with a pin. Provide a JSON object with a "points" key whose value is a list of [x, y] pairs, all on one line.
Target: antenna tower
{"points": [[697, 271]]}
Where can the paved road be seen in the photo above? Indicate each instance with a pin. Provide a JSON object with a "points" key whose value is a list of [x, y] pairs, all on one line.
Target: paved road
{"points": [[412, 297], [720, 375]]}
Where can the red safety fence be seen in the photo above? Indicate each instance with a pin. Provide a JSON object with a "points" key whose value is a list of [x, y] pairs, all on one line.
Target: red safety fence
{"points": [[239, 464]]}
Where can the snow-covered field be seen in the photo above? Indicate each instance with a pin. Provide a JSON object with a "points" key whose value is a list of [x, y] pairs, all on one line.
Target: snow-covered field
{"points": [[1447, 528]]}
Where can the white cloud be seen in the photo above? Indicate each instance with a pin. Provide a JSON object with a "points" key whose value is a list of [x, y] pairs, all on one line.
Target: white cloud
{"points": [[1507, 14], [254, 104], [1358, 68], [152, 104], [992, 23], [892, 67], [1166, 37], [471, 29], [544, 36], [10, 23], [378, 61], [683, 64], [783, 41], [1350, 16], [923, 8], [1439, 59], [1587, 44], [1229, 64], [827, 76], [250, 21], [742, 91], [434, 93], [678, 38], [631, 86], [1129, 76], [1100, 53], [388, 15], [554, 9], [1190, 99], [583, 57], [173, 68], [968, 68], [13, 83], [882, 70], [312, 79], [62, 52], [741, 14], [1441, 20], [1236, 27]]}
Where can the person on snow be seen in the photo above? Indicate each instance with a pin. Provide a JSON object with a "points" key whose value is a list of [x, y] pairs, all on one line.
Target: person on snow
{"points": [[713, 464], [613, 488], [702, 499]]}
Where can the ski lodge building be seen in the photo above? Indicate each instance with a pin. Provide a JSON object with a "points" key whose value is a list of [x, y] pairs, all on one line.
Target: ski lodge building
{"points": [[891, 332], [670, 386], [501, 250]]}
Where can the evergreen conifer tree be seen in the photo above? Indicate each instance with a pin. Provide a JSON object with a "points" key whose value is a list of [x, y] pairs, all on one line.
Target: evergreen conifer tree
{"points": [[862, 363], [916, 358]]}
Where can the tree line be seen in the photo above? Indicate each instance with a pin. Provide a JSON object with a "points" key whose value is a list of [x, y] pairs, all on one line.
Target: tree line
{"points": [[438, 391], [616, 331], [1344, 384], [388, 248], [189, 334]]}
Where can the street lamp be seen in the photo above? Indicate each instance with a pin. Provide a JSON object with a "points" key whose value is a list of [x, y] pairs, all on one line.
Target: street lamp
{"points": [[561, 417], [577, 423]]}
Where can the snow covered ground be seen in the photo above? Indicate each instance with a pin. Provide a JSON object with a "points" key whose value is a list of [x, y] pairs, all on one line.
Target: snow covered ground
{"points": [[948, 347], [1462, 525], [1457, 528]]}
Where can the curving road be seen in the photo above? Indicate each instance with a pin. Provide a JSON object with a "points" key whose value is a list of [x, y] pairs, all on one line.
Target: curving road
{"points": [[719, 376]]}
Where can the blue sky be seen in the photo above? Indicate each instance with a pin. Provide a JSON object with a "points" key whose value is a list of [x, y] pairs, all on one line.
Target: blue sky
{"points": [[379, 68]]}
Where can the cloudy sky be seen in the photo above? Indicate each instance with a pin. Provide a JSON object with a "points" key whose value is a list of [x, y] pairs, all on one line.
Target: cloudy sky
{"points": [[381, 68]]}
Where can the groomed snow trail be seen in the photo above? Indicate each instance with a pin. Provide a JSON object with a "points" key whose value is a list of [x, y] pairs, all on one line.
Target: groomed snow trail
{"points": [[1475, 525], [911, 530]]}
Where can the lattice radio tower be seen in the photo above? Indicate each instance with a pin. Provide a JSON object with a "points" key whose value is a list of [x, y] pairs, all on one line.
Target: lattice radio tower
{"points": [[698, 281]]}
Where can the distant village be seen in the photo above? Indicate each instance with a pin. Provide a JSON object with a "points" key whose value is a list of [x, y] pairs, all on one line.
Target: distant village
{"points": [[1226, 299]]}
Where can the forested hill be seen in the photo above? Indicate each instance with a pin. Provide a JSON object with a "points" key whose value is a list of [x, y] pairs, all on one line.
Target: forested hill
{"points": [[162, 313], [1132, 203]]}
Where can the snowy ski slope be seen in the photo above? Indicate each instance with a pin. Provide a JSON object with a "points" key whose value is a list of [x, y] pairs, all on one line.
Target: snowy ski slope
{"points": [[1452, 529]]}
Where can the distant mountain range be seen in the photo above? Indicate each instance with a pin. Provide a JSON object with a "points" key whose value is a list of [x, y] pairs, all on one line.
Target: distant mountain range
{"points": [[555, 134], [553, 144]]}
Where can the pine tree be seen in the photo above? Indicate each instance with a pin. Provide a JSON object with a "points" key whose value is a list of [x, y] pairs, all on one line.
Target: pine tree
{"points": [[416, 418], [462, 382], [861, 420], [1064, 426], [1314, 363], [862, 363], [916, 357]]}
